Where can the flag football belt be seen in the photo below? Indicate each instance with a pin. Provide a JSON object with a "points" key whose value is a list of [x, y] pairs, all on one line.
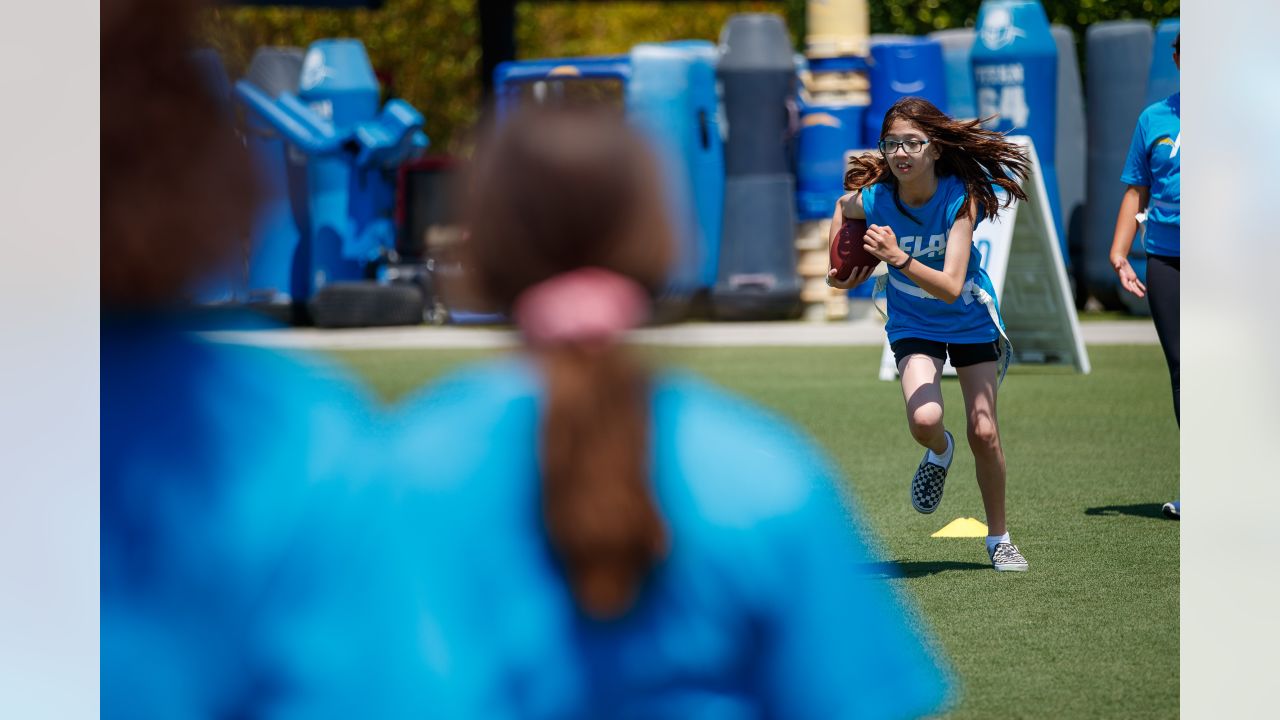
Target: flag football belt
{"points": [[1162, 204], [969, 293]]}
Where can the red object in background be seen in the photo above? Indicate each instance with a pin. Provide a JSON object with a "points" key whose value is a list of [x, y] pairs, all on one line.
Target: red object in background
{"points": [[847, 253], [386, 85]]}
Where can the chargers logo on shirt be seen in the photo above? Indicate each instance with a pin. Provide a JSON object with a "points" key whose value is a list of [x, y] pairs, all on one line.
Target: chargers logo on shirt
{"points": [[1172, 143]]}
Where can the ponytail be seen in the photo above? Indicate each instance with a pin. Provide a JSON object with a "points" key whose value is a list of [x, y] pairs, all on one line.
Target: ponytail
{"points": [[597, 504], [599, 511]]}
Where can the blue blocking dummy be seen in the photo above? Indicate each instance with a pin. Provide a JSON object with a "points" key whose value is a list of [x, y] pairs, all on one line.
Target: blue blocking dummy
{"points": [[672, 97], [351, 149], [957, 47], [668, 90], [903, 67], [757, 73], [1119, 60], [827, 132], [274, 277], [1071, 152], [1163, 79], [1015, 78]]}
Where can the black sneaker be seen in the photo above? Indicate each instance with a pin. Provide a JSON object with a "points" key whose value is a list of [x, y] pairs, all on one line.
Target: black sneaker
{"points": [[926, 486], [1006, 558], [1172, 510]]}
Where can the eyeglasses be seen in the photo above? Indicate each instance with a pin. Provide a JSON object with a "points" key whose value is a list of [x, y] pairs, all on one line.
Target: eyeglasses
{"points": [[912, 146]]}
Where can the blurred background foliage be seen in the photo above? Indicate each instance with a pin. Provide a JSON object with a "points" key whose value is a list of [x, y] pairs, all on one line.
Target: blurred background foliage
{"points": [[425, 51], [556, 29], [428, 51]]}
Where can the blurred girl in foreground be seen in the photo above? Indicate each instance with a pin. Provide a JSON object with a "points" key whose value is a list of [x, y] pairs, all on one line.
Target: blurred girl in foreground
{"points": [[629, 543]]}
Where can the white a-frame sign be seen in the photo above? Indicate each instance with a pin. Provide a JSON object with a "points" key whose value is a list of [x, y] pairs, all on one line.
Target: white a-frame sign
{"points": [[1020, 253]]}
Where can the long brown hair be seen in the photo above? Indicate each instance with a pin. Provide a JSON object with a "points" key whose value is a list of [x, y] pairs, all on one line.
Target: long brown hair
{"points": [[178, 189], [979, 157], [553, 191]]}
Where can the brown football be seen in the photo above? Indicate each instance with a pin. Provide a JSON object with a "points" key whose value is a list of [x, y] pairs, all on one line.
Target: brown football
{"points": [[847, 253]]}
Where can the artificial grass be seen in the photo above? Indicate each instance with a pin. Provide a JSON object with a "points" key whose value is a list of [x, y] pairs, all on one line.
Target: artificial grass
{"points": [[1092, 629]]}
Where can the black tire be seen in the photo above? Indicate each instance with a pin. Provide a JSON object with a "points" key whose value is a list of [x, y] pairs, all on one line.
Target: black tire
{"points": [[752, 306], [366, 304]]}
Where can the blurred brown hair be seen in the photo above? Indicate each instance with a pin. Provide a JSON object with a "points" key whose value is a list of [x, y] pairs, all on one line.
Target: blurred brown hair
{"points": [[551, 191], [178, 189]]}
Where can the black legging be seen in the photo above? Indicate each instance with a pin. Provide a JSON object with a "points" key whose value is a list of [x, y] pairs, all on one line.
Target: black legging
{"points": [[1162, 293]]}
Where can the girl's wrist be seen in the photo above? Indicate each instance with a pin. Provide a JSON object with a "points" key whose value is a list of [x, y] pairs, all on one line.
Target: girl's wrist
{"points": [[905, 262]]}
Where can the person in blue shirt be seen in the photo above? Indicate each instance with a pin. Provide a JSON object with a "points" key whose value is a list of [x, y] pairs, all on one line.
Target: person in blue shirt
{"points": [[932, 182], [1153, 199], [247, 565], [628, 542]]}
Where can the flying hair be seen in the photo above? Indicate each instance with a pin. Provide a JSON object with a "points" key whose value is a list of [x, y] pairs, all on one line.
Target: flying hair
{"points": [[980, 158]]}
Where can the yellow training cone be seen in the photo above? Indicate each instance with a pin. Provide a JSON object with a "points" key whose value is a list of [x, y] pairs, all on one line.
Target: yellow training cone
{"points": [[963, 527]]}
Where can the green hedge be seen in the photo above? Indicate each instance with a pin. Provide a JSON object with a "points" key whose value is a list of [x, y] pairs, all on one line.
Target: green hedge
{"points": [[430, 48], [916, 17]]}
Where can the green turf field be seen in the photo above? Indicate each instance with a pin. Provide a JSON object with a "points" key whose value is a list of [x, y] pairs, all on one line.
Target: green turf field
{"points": [[1092, 630]]}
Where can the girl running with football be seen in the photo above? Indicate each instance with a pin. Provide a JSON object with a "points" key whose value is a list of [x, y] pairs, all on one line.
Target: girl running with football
{"points": [[932, 182]]}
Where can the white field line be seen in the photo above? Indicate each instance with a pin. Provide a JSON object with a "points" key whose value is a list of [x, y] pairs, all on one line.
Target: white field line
{"points": [[866, 332]]}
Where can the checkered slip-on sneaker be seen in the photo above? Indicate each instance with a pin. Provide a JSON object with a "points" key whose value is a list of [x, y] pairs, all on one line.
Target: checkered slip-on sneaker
{"points": [[926, 486], [1006, 558], [1172, 510]]}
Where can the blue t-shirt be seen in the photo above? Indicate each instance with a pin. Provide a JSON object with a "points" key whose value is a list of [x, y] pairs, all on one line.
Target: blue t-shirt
{"points": [[247, 565], [1153, 163], [763, 608], [964, 321]]}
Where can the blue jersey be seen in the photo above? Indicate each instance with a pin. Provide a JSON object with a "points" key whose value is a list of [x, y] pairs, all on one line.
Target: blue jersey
{"points": [[763, 608], [925, 238], [246, 571], [1153, 163]]}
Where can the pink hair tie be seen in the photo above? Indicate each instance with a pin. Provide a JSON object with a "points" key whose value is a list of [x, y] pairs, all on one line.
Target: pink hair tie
{"points": [[585, 304]]}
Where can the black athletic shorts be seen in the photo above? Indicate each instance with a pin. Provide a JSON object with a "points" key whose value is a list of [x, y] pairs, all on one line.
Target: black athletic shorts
{"points": [[962, 354]]}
